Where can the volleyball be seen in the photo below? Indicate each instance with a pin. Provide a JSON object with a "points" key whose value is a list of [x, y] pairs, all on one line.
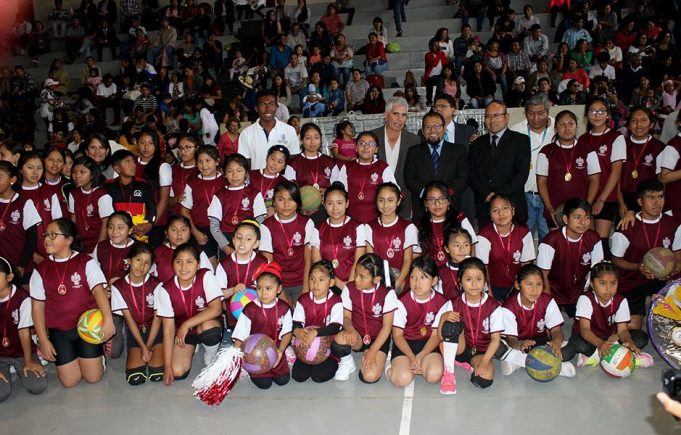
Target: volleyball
{"points": [[90, 326], [619, 362], [559, 216], [316, 352], [660, 262], [260, 354], [240, 299], [542, 364], [311, 199]]}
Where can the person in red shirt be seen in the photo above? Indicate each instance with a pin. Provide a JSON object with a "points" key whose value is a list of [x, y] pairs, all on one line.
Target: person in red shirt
{"points": [[435, 61], [376, 60]]}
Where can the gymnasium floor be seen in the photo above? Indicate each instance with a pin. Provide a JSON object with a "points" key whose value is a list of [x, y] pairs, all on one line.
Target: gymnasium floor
{"points": [[591, 402]]}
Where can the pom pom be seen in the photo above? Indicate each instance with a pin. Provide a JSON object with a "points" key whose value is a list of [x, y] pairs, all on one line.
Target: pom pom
{"points": [[216, 381]]}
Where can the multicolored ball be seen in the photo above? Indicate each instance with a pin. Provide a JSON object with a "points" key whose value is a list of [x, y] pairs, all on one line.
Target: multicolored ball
{"points": [[240, 299], [90, 326], [542, 364], [260, 354], [619, 362], [316, 352]]}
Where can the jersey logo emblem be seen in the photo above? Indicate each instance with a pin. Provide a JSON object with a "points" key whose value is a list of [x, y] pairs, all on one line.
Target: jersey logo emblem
{"points": [[541, 325], [376, 310], [666, 242], [90, 210], [327, 172], [586, 259], [15, 316], [47, 204], [602, 150], [297, 238], [347, 241], [137, 193], [150, 300], [648, 160], [516, 257], [374, 178], [76, 279], [200, 303], [580, 162], [485, 326], [245, 203], [430, 316], [397, 242], [15, 216]]}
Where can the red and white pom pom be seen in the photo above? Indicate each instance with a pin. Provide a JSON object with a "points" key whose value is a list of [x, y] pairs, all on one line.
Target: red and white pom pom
{"points": [[216, 381]]}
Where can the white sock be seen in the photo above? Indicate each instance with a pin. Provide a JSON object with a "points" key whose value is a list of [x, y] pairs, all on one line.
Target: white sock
{"points": [[515, 356], [449, 355], [210, 353]]}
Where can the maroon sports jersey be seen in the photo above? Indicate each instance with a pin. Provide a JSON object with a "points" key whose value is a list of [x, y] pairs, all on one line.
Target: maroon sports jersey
{"points": [[418, 315], [371, 311], [641, 157], [87, 213], [603, 323], [477, 321], [313, 171], [449, 280], [363, 182], [239, 274], [265, 184], [9, 324], [339, 243], [288, 247], [318, 315], [389, 241], [181, 176], [505, 254], [237, 205], [42, 199], [202, 192], [602, 145], [139, 299], [530, 324], [265, 321], [113, 259], [187, 303], [16, 216], [672, 191]]}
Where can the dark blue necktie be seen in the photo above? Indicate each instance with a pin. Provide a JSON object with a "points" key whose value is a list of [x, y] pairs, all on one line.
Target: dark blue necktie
{"points": [[435, 158]]}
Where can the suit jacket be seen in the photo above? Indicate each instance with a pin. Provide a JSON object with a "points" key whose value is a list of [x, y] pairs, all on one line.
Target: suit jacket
{"points": [[407, 140], [418, 171], [504, 172]]}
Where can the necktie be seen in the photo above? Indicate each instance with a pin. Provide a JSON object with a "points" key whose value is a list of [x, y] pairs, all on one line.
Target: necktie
{"points": [[435, 158], [446, 135], [494, 144]]}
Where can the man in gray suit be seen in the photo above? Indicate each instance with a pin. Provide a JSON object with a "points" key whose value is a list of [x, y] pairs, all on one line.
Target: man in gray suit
{"points": [[393, 142]]}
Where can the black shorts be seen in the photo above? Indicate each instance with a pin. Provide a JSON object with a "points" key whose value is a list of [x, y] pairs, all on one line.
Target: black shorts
{"points": [[610, 212], [385, 348], [637, 298], [145, 335], [569, 309], [192, 338], [69, 346], [416, 346]]}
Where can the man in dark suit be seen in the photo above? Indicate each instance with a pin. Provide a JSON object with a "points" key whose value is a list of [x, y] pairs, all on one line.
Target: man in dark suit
{"points": [[435, 159], [499, 163], [393, 144]]}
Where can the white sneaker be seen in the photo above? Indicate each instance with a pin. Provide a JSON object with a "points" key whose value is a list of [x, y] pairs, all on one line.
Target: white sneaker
{"points": [[210, 353], [508, 368], [388, 364], [103, 364], [345, 368], [568, 370]]}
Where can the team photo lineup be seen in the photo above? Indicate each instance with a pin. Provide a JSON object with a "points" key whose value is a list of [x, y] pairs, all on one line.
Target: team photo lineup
{"points": [[455, 251]]}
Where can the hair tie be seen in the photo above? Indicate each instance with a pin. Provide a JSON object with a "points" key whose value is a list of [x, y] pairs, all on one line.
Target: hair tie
{"points": [[251, 221], [7, 263]]}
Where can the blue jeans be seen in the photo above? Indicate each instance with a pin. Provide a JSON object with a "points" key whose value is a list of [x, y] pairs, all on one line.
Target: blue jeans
{"points": [[535, 215], [375, 69], [399, 14]]}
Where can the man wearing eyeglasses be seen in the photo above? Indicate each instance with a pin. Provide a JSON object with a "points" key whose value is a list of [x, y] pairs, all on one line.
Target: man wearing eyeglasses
{"points": [[435, 159], [499, 163], [394, 142]]}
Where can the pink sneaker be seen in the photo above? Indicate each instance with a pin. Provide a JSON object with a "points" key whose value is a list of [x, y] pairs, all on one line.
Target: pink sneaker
{"points": [[464, 365], [448, 383], [644, 360]]}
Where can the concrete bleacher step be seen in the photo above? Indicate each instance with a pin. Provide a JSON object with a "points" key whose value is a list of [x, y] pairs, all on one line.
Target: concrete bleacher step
{"points": [[382, 5]]}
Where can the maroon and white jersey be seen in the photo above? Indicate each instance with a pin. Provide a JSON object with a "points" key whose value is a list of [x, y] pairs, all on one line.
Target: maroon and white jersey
{"points": [[670, 159], [480, 320], [568, 262], [231, 205], [610, 147], [603, 318], [417, 317], [312, 171], [633, 243], [448, 284], [165, 179], [15, 314], [273, 320], [265, 184], [138, 299], [286, 241], [368, 307], [391, 240], [66, 285], [198, 195], [361, 180], [113, 259], [503, 255], [181, 175], [530, 323], [438, 233], [49, 208], [231, 271], [557, 161], [163, 262], [642, 157], [17, 215], [89, 208], [181, 304], [339, 242], [58, 187], [319, 313]]}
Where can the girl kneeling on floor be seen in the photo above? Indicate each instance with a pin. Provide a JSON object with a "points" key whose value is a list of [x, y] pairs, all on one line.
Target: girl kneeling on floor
{"points": [[415, 348], [369, 308], [133, 297], [271, 316], [189, 305]]}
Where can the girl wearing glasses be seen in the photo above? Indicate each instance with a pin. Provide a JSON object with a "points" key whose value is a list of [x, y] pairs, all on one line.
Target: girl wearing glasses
{"points": [[183, 172], [62, 287], [611, 149], [362, 177]]}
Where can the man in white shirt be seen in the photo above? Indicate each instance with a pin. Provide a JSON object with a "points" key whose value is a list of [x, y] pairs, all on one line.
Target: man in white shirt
{"points": [[603, 67], [295, 75], [208, 124], [107, 91], [267, 131], [536, 44], [538, 125]]}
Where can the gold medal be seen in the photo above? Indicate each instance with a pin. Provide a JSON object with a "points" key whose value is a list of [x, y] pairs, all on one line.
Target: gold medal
{"points": [[360, 196], [568, 176], [473, 351], [367, 339], [290, 252], [390, 253], [316, 186], [61, 289], [423, 331], [335, 263], [440, 256], [235, 220], [634, 174]]}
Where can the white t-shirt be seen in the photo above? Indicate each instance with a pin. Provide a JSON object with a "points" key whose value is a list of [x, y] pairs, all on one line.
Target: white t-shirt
{"points": [[254, 143]]}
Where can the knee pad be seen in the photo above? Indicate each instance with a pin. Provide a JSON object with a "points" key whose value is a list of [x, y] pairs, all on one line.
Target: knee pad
{"points": [[480, 382], [155, 374], [136, 376], [361, 378], [569, 351], [211, 337], [340, 350], [451, 331], [183, 376], [639, 337]]}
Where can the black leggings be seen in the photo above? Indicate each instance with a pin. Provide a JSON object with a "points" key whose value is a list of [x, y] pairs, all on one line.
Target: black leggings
{"points": [[577, 344], [319, 373], [265, 383]]}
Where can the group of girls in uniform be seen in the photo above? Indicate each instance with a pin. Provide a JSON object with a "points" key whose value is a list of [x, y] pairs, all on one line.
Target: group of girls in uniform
{"points": [[415, 299]]}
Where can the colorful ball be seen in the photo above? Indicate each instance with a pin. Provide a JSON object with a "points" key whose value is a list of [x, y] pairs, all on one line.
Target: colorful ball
{"points": [[619, 362], [559, 215], [542, 364], [311, 199], [314, 353], [660, 262], [240, 299], [260, 354], [90, 326]]}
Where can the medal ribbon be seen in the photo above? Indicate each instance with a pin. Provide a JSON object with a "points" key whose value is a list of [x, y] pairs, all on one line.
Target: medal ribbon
{"points": [[364, 313]]}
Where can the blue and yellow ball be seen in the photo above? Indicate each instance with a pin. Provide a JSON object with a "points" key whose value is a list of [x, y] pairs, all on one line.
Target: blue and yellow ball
{"points": [[542, 364]]}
